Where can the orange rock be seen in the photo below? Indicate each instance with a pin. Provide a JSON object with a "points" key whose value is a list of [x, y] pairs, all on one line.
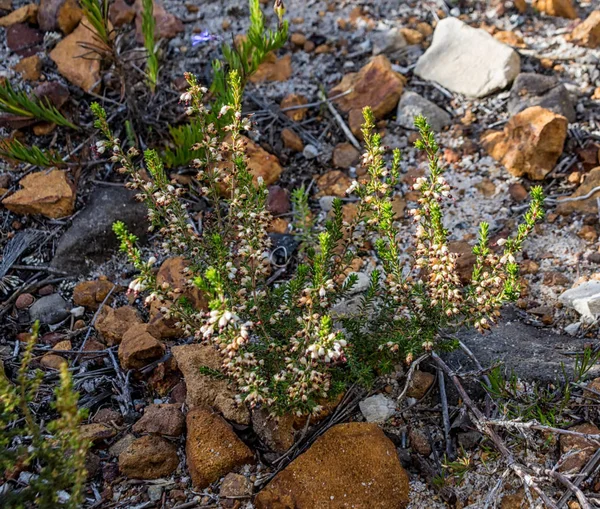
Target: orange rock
{"points": [[167, 25], [139, 347], [30, 68], [212, 448], [278, 225], [96, 432], [510, 38], [260, 163], [520, 5], [290, 100], [345, 156], [121, 13], [291, 140], [298, 39], [54, 360], [173, 273], [530, 144], [91, 294], [149, 457], [587, 206], [412, 36], [352, 463], [26, 14], [580, 448], [112, 323], [588, 33], [63, 15], [273, 69], [559, 8], [82, 72], [43, 128], [596, 95], [50, 194], [382, 98], [333, 183], [204, 390], [424, 28]]}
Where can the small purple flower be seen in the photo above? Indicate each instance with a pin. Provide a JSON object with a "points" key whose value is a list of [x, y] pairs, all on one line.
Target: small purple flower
{"points": [[203, 37]]}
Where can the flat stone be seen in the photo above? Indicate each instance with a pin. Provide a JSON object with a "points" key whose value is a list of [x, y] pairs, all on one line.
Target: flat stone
{"points": [[590, 204], [149, 457], [23, 39], [411, 105], [50, 309], [204, 390], [112, 324], [166, 419], [585, 299], [531, 89], [25, 14], [382, 99], [90, 240], [388, 41], [467, 60], [528, 352], [212, 448], [351, 465], [49, 194], [139, 347], [559, 8], [377, 408], [588, 33], [81, 72]]}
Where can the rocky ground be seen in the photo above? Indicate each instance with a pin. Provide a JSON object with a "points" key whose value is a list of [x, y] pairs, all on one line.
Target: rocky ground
{"points": [[513, 91]]}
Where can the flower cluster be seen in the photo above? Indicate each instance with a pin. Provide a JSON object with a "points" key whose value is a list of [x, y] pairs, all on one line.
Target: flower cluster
{"points": [[284, 343]]}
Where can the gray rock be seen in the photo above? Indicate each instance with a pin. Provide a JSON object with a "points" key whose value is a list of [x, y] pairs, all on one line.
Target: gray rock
{"points": [[573, 328], [49, 310], [531, 89], [310, 152], [585, 299], [377, 408], [387, 41], [90, 239], [362, 282], [411, 105], [326, 203], [468, 60], [155, 492], [531, 353]]}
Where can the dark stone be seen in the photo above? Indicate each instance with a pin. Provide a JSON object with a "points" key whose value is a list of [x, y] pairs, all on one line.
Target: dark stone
{"points": [[530, 353], [23, 39], [530, 89], [594, 258], [54, 92], [49, 310], [90, 240]]}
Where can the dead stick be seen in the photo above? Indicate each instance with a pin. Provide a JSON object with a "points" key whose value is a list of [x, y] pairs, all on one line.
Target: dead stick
{"points": [[445, 413], [351, 138], [484, 427]]}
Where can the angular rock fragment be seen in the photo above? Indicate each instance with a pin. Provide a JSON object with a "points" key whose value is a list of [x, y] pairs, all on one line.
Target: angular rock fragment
{"points": [[468, 60]]}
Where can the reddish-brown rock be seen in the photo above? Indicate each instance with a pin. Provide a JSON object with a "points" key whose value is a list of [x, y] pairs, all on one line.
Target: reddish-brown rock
{"points": [[63, 15], [420, 384], [291, 100], [121, 13], [113, 323], [277, 433], [50, 194], [29, 68], [91, 294], [278, 201], [167, 25], [345, 155], [96, 432], [587, 33], [166, 419], [23, 39], [273, 69], [25, 14], [351, 465], [375, 85], [291, 140], [149, 457], [212, 448], [139, 347], [204, 390], [333, 183], [68, 53], [261, 164], [580, 449], [24, 301], [235, 488], [559, 8], [173, 272], [587, 206], [530, 144]]}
